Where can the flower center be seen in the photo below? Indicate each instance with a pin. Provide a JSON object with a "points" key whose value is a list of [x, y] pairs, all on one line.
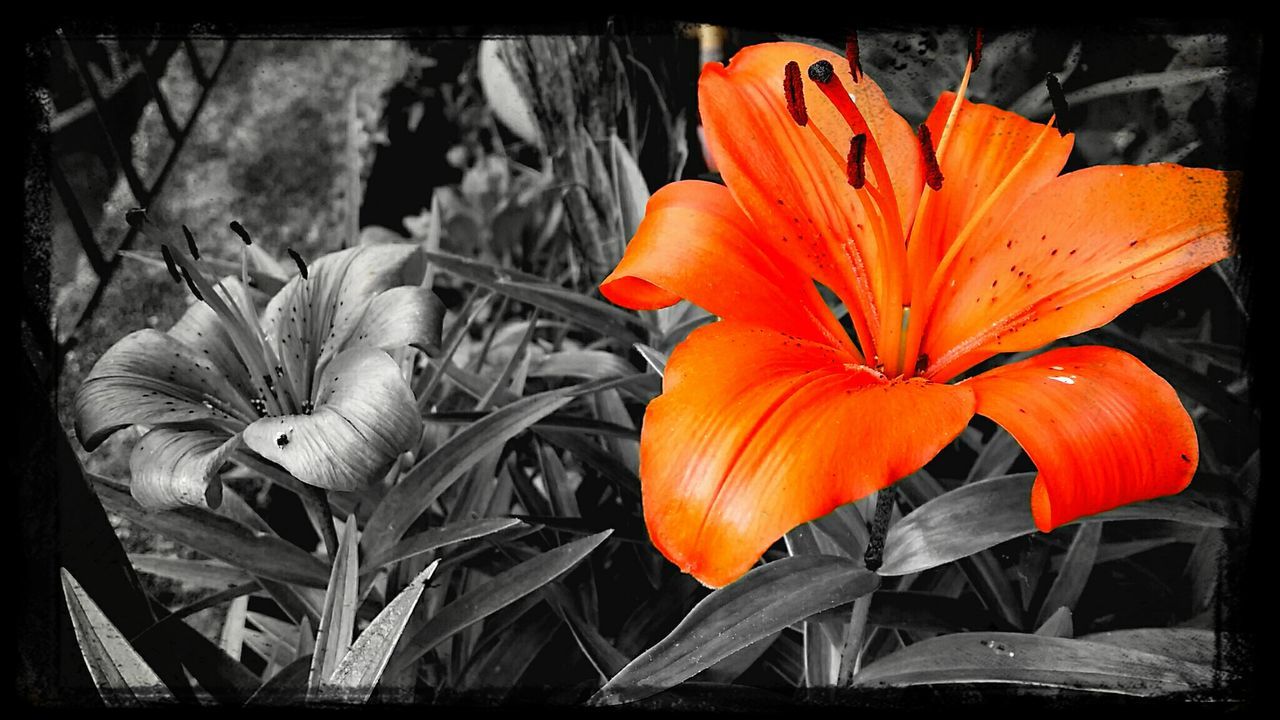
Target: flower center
{"points": [[278, 393]]}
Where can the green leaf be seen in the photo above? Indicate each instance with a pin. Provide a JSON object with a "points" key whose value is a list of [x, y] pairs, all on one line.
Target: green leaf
{"points": [[502, 590], [656, 358], [1195, 645], [199, 573], [585, 364], [997, 456], [430, 477], [633, 192], [755, 606], [497, 664], [428, 540], [598, 315], [286, 687], [1022, 659], [355, 677], [1057, 624], [219, 537], [1075, 571], [981, 515], [122, 677], [338, 621]]}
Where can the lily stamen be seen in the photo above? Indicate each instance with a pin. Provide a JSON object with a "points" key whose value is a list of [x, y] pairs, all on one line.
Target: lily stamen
{"points": [[856, 170], [793, 87], [932, 173], [238, 229], [1059, 100], [194, 290], [851, 54], [191, 242], [302, 266], [168, 261]]}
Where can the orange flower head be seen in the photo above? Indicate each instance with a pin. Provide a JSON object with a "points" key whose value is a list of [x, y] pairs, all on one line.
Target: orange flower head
{"points": [[947, 245]]}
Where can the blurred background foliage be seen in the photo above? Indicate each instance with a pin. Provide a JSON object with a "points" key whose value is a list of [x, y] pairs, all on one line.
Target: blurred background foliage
{"points": [[318, 144]]}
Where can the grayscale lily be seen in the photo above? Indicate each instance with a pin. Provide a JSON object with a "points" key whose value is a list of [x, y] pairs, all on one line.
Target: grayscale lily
{"points": [[308, 385]]}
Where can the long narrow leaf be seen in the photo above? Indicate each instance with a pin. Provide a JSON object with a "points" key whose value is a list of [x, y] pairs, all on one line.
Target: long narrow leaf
{"points": [[219, 537], [495, 594], [428, 479], [755, 606], [122, 677], [975, 517], [338, 623], [1076, 568], [595, 314], [355, 677], [199, 573], [428, 540], [1022, 659]]}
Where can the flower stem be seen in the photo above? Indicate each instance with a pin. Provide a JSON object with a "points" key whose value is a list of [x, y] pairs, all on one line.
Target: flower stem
{"points": [[855, 634], [874, 556]]}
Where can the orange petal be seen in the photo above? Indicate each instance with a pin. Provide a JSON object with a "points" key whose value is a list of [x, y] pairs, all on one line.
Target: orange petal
{"points": [[695, 243], [1080, 251], [983, 147], [757, 432], [1102, 428], [790, 185]]}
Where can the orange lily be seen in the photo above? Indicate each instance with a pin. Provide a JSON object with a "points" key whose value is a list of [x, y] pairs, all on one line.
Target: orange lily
{"points": [[773, 416]]}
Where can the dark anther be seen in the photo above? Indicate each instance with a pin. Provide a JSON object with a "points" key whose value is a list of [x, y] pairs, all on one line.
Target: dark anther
{"points": [[932, 173], [302, 266], [855, 166], [793, 86], [821, 72], [874, 557], [922, 363], [976, 50], [194, 290], [238, 229], [270, 385], [279, 371], [282, 440], [1059, 100], [168, 261], [307, 407], [136, 217], [191, 242], [851, 54]]}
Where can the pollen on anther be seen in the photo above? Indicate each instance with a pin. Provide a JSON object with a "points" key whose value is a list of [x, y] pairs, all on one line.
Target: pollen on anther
{"points": [[1059, 100], [793, 87], [855, 165], [238, 229], [302, 266], [933, 173], [168, 261], [851, 54], [191, 242], [821, 72], [194, 290], [977, 49]]}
